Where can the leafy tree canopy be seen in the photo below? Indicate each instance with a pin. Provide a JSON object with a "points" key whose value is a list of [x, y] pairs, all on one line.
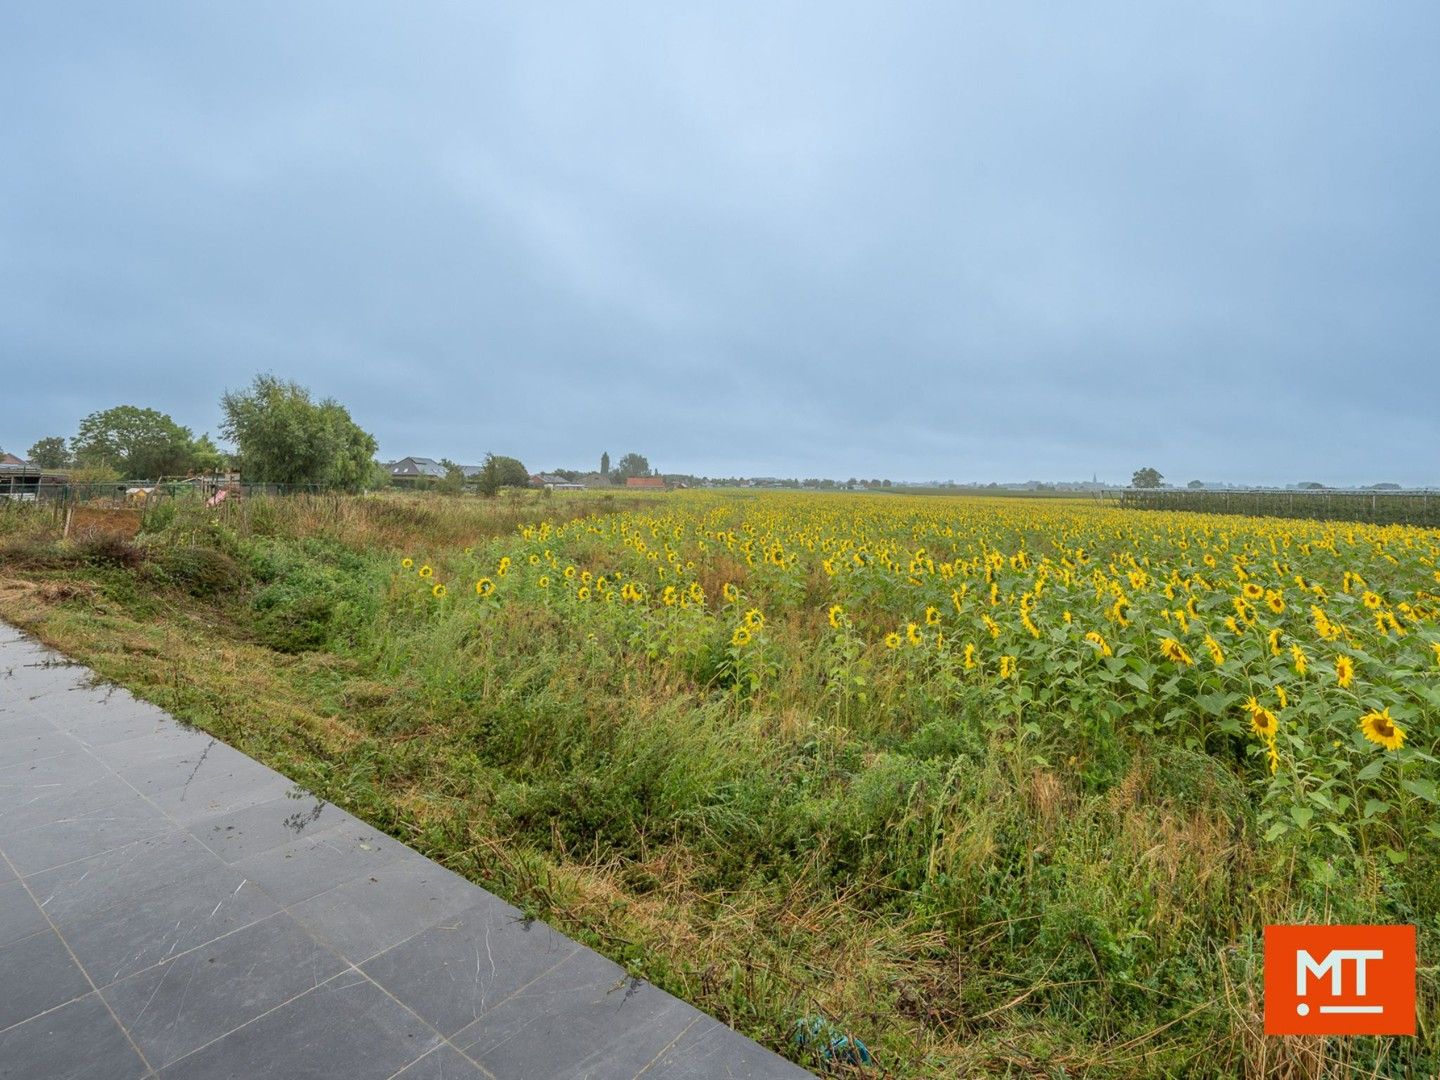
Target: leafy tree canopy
{"points": [[501, 471], [632, 465], [50, 453], [139, 444], [285, 437], [1146, 478]]}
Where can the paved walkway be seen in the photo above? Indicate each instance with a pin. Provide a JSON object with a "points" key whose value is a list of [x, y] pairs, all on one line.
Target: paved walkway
{"points": [[170, 908]]}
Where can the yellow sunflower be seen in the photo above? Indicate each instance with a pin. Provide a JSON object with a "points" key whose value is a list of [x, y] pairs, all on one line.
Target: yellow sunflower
{"points": [[1008, 666], [1173, 650], [754, 619], [1262, 720], [892, 640], [837, 616], [730, 592], [439, 589], [1217, 654], [1382, 730], [740, 638], [484, 587], [1344, 671], [425, 571], [407, 562], [932, 616]]}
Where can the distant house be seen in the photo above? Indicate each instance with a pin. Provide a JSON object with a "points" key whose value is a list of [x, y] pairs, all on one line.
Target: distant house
{"points": [[554, 483], [596, 480], [645, 482], [411, 470]]}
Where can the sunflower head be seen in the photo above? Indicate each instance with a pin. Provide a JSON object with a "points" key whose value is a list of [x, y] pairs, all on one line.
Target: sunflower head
{"points": [[892, 640], [837, 616], [1262, 721], [1381, 729], [438, 589], [484, 587], [740, 638], [1344, 670], [730, 592], [407, 562]]}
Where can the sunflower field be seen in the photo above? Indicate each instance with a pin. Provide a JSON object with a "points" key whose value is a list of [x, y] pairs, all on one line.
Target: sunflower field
{"points": [[987, 786]]}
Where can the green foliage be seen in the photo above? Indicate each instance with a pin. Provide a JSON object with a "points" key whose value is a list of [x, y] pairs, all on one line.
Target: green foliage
{"points": [[134, 443], [632, 464], [1146, 478], [49, 453], [285, 437], [499, 472]]}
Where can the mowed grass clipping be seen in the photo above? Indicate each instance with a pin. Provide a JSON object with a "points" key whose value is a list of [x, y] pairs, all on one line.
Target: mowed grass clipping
{"points": [[997, 787]]}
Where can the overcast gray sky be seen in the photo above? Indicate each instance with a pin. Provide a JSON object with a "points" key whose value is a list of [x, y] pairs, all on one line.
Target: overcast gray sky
{"points": [[999, 241]]}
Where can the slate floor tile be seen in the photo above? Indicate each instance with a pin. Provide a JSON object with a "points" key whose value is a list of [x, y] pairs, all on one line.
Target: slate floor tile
{"points": [[79, 1041], [23, 781], [19, 915], [37, 974], [118, 718], [29, 737], [118, 876], [453, 972], [184, 1003], [83, 834], [48, 804], [442, 1063], [162, 922], [315, 862], [219, 784], [586, 1017], [271, 824], [368, 915], [346, 1028], [712, 1051]]}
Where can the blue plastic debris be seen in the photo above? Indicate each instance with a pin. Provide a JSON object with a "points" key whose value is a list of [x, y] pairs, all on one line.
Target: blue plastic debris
{"points": [[815, 1032]]}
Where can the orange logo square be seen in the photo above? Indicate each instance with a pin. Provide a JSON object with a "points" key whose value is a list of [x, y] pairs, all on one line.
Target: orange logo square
{"points": [[1340, 980]]}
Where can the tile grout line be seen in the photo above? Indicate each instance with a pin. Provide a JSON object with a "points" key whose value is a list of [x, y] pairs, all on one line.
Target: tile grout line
{"points": [[81, 968]]}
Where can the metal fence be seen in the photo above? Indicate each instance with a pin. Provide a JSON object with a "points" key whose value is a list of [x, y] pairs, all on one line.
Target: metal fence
{"points": [[141, 493], [1410, 507]]}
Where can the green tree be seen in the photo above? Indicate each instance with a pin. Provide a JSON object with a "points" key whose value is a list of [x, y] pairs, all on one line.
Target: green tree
{"points": [[206, 458], [50, 453], [632, 465], [139, 444], [285, 437], [605, 463], [1146, 478], [500, 471], [454, 480]]}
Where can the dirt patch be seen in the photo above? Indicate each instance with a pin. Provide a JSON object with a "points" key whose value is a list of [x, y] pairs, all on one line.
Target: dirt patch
{"points": [[93, 522]]}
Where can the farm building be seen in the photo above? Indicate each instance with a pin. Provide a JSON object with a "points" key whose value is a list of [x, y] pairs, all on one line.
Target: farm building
{"points": [[554, 483], [645, 482], [410, 470]]}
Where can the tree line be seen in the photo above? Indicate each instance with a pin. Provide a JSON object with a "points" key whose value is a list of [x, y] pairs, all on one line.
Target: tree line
{"points": [[280, 432]]}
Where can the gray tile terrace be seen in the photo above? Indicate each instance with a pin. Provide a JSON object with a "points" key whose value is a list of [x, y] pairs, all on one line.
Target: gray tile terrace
{"points": [[170, 908]]}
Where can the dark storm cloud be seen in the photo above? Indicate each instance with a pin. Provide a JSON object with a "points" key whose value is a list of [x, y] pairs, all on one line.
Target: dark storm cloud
{"points": [[982, 242]]}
